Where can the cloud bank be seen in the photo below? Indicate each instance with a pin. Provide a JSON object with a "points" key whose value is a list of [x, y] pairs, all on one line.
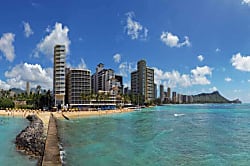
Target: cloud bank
{"points": [[197, 76], [33, 73]]}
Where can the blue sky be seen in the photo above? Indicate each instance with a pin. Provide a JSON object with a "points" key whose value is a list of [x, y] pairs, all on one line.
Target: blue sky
{"points": [[194, 46]]}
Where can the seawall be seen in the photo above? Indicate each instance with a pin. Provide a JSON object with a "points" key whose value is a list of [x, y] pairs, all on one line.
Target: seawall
{"points": [[31, 140], [51, 152]]}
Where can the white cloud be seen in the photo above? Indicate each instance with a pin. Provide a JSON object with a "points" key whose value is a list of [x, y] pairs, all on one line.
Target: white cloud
{"points": [[217, 50], [125, 68], [174, 78], [213, 89], [199, 75], [173, 41], [48, 29], [33, 73], [58, 35], [82, 64], [248, 81], [117, 58], [4, 85], [27, 29], [201, 71], [228, 79], [134, 29], [7, 47], [200, 58], [240, 62], [246, 2]]}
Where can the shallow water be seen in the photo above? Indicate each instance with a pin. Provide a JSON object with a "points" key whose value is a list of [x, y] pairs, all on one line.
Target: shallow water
{"points": [[9, 128], [167, 135]]}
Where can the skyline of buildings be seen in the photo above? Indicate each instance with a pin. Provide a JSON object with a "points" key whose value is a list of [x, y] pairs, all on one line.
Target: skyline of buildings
{"points": [[70, 84], [176, 98]]}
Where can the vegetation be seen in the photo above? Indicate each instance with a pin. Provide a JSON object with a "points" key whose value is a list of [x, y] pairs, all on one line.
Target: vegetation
{"points": [[37, 100], [6, 103]]}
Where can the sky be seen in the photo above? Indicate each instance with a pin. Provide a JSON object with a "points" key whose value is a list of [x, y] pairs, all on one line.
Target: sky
{"points": [[193, 46]]}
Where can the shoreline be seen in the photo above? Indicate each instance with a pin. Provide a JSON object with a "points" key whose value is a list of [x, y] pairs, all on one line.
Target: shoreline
{"points": [[82, 114], [44, 115]]}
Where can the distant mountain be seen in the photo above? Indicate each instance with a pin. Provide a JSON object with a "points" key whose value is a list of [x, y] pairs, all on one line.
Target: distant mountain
{"points": [[17, 90], [214, 97], [32, 90]]}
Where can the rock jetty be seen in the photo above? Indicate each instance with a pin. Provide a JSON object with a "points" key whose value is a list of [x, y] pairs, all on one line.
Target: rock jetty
{"points": [[31, 140]]}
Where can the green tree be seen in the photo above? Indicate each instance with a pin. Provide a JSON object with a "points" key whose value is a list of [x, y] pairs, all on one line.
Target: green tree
{"points": [[6, 103]]}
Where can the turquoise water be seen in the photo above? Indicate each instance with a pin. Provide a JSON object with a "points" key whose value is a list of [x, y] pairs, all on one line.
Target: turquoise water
{"points": [[167, 135], [9, 128]]}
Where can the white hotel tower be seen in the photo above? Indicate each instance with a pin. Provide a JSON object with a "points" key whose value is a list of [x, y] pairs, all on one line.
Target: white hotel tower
{"points": [[59, 79]]}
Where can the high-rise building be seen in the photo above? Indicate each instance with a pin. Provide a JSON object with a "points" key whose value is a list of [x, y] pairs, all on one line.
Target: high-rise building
{"points": [[106, 80], [169, 93], [179, 98], [142, 81], [162, 93], [134, 83], [155, 88], [78, 85], [119, 81], [59, 79], [174, 97], [28, 88]]}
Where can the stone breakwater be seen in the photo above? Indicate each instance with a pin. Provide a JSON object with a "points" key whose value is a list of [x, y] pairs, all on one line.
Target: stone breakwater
{"points": [[31, 140]]}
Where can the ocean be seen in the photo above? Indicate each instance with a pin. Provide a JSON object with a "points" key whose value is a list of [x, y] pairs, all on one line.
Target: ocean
{"points": [[9, 128], [208, 134]]}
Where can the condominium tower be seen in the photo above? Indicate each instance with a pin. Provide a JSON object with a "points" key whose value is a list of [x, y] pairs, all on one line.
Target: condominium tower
{"points": [[78, 85], [161, 93], [169, 93], [142, 81], [59, 75]]}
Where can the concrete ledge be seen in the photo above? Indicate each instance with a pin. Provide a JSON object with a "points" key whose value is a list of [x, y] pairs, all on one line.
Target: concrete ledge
{"points": [[51, 152]]}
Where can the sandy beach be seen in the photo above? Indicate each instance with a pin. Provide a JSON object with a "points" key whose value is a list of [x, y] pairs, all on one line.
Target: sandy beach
{"points": [[44, 116], [79, 114]]}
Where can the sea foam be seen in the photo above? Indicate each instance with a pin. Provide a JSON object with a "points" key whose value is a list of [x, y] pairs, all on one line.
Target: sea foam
{"points": [[177, 115]]}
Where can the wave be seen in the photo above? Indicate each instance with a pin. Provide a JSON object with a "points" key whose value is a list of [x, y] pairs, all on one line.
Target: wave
{"points": [[62, 153], [177, 115]]}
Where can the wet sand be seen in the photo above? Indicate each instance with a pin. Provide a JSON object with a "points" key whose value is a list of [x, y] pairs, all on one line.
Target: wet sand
{"points": [[79, 114]]}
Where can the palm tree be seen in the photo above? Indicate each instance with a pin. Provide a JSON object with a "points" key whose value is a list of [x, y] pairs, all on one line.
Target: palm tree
{"points": [[38, 89]]}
